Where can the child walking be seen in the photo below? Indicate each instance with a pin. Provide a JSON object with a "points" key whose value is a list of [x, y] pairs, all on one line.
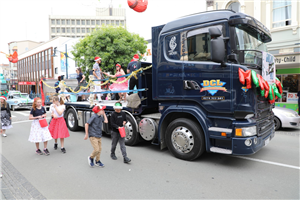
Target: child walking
{"points": [[118, 120], [93, 130], [37, 133], [5, 116], [58, 127]]}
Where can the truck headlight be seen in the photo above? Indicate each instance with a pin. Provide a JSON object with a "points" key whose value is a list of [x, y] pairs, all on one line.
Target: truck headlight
{"points": [[246, 131]]}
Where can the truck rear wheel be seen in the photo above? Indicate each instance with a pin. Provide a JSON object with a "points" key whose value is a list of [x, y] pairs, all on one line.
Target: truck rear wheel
{"points": [[72, 121], [132, 136], [185, 139]]}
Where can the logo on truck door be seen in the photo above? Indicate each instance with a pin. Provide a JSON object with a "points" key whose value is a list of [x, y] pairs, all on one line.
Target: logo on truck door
{"points": [[172, 45], [213, 86]]}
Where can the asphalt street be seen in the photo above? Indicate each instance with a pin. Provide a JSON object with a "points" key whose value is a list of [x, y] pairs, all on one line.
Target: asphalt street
{"points": [[272, 173]]}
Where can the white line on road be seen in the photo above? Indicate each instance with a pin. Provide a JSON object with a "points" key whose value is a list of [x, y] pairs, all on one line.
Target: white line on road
{"points": [[268, 162], [23, 113], [19, 122]]}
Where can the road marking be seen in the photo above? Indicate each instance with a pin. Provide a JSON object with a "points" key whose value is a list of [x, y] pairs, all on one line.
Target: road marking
{"points": [[19, 122], [24, 114], [269, 162]]}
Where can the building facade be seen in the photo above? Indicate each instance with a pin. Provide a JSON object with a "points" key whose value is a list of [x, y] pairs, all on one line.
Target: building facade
{"points": [[20, 47], [79, 26], [40, 62], [282, 18]]}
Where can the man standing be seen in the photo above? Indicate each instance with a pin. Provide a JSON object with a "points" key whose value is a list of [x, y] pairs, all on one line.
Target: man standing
{"points": [[132, 66], [97, 75]]}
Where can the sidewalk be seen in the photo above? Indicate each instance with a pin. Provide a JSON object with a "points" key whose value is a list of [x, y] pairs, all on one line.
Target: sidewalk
{"points": [[14, 185]]}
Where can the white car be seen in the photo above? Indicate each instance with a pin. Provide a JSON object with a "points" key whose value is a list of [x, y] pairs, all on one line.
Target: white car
{"points": [[285, 118]]}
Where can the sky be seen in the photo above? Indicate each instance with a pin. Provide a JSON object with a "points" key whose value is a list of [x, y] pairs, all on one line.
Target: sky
{"points": [[29, 19]]}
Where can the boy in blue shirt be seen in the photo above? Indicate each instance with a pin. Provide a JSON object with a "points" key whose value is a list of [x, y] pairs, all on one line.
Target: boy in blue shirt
{"points": [[93, 130]]}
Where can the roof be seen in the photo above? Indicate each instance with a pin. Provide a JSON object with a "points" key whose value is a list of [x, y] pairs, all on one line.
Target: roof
{"points": [[24, 41]]}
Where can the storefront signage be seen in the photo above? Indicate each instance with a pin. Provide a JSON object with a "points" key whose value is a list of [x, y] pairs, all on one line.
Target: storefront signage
{"points": [[292, 97], [286, 59], [26, 83]]}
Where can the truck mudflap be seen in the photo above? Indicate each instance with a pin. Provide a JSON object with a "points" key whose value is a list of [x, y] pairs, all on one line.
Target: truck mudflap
{"points": [[250, 145]]}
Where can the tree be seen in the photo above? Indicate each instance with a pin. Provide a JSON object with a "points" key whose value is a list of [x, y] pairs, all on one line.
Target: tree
{"points": [[112, 44]]}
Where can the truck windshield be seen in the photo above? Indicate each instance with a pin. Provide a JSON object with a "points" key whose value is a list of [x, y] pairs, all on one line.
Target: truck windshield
{"points": [[249, 46]]}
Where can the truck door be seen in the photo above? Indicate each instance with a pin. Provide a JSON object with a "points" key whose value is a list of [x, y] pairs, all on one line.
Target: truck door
{"points": [[205, 82]]}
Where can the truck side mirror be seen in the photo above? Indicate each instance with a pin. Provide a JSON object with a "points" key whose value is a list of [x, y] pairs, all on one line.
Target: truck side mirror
{"points": [[217, 45]]}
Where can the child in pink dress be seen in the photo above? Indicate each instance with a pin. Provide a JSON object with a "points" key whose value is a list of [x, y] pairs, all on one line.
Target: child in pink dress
{"points": [[119, 86], [58, 127]]}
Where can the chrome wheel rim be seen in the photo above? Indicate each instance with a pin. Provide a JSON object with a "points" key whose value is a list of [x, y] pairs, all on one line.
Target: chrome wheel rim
{"points": [[71, 120], [129, 131], [182, 139]]}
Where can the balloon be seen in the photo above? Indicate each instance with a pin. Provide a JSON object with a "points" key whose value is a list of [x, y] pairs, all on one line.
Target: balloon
{"points": [[279, 85], [254, 78], [138, 5], [276, 92], [245, 76]]}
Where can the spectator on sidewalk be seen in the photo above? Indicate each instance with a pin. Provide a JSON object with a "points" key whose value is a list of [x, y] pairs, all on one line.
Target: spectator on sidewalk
{"points": [[5, 116]]}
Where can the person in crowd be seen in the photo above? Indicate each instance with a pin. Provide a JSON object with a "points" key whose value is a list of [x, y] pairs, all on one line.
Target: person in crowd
{"points": [[93, 130], [57, 84], [132, 66], [119, 86], [58, 127], [81, 82], [298, 94], [37, 133], [118, 120], [5, 116], [97, 75]]}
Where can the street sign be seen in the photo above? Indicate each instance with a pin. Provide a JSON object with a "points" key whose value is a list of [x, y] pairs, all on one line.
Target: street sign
{"points": [[26, 83]]}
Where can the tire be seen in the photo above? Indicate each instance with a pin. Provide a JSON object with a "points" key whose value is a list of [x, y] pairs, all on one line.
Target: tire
{"points": [[182, 132], [132, 136], [71, 120], [277, 123]]}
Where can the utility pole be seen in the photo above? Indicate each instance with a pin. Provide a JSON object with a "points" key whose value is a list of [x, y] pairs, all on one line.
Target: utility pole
{"points": [[66, 55]]}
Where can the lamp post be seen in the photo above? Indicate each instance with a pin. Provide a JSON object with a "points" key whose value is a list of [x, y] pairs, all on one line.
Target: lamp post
{"points": [[66, 55]]}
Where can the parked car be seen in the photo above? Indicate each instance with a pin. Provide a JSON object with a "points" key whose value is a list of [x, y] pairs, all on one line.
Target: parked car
{"points": [[285, 118], [19, 100]]}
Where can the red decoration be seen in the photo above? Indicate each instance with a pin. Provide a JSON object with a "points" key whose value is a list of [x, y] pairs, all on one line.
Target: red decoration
{"points": [[278, 84], [138, 5], [264, 85], [245, 76]]}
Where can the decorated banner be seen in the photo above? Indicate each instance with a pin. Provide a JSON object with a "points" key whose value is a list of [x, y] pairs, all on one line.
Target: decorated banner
{"points": [[63, 62], [268, 68]]}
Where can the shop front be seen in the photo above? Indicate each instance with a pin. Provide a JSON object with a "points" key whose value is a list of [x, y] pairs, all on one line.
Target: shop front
{"points": [[288, 72]]}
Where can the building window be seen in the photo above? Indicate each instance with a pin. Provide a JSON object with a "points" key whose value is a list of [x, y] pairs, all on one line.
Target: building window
{"points": [[98, 22], [58, 22], [73, 21], [122, 22], [53, 30], [93, 29], [56, 70], [83, 30], [78, 30], [68, 22], [73, 36], [57, 30], [63, 22], [282, 13], [87, 30], [112, 22], [107, 22], [78, 22], [53, 37], [290, 85], [274, 52], [63, 30], [82, 22], [73, 30], [117, 22], [88, 22], [102, 22], [68, 30], [93, 22], [53, 21]]}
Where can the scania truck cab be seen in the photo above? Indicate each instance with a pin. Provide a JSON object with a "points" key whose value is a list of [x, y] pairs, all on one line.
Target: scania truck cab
{"points": [[195, 100]]}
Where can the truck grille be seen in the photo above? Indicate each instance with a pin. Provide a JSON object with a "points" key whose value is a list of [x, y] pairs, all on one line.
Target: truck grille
{"points": [[265, 116]]}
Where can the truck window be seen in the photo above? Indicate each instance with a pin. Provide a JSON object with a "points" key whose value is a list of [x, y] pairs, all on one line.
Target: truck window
{"points": [[198, 44], [172, 44]]}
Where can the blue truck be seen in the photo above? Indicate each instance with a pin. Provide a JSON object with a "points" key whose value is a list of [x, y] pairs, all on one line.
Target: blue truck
{"points": [[195, 102], [4, 86]]}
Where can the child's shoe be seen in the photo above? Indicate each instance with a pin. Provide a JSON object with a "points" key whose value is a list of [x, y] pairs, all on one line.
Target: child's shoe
{"points": [[55, 146], [91, 161], [63, 150], [46, 152], [99, 164], [126, 159], [113, 156], [39, 152]]}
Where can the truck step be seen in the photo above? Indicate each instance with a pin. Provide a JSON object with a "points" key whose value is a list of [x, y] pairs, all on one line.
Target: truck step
{"points": [[220, 150]]}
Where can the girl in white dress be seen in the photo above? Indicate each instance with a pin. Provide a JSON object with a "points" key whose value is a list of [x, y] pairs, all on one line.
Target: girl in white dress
{"points": [[37, 133]]}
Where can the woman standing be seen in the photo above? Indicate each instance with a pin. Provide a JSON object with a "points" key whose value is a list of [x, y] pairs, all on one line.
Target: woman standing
{"points": [[119, 86], [81, 81], [37, 133], [5, 116]]}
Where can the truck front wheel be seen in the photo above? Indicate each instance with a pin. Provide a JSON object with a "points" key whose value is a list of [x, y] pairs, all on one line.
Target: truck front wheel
{"points": [[72, 121], [185, 139], [132, 136]]}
